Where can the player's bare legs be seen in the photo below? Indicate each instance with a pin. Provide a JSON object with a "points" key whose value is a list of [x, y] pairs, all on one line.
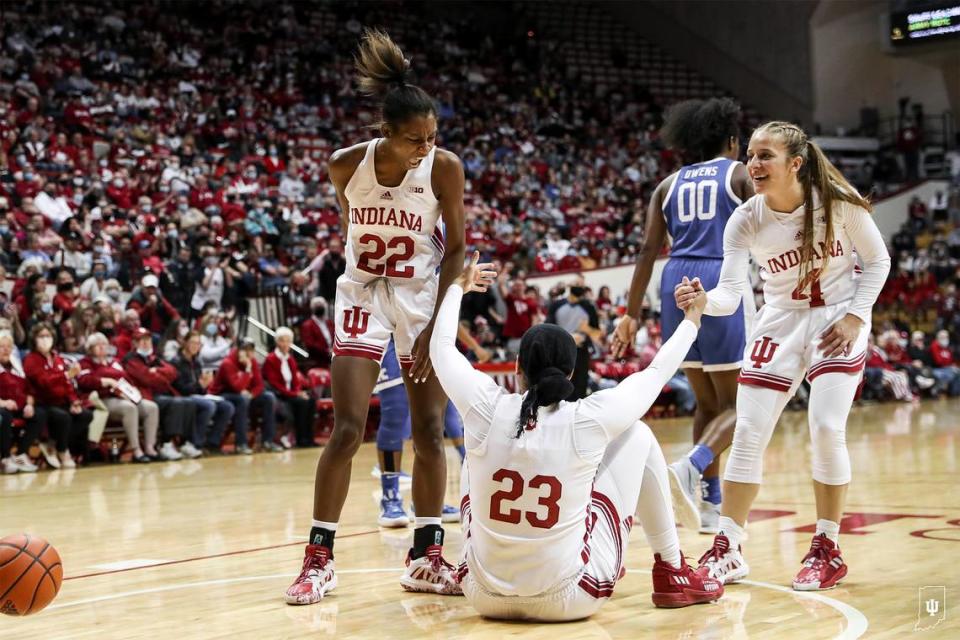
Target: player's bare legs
{"points": [[830, 500], [713, 425], [427, 571], [353, 380], [428, 404]]}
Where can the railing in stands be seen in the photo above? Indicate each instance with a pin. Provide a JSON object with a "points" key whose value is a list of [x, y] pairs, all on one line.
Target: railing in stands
{"points": [[504, 373]]}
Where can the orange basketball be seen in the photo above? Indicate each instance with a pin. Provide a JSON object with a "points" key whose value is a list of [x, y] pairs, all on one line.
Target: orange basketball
{"points": [[30, 574]]}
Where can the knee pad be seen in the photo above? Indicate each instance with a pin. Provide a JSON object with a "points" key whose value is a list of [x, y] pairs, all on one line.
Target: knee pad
{"points": [[831, 461], [757, 412], [394, 419], [452, 423]]}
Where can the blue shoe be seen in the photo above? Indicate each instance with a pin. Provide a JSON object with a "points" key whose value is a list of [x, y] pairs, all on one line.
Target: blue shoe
{"points": [[391, 504], [405, 480], [448, 515]]}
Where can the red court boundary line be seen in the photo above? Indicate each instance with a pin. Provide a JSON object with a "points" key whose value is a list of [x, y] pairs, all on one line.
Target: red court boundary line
{"points": [[216, 555]]}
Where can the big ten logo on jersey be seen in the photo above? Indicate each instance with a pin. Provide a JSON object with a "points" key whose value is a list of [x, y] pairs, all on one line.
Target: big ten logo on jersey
{"points": [[762, 352], [697, 199], [355, 321], [415, 189]]}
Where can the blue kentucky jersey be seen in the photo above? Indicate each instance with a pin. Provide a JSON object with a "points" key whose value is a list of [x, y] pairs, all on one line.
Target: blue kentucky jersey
{"points": [[697, 207]]}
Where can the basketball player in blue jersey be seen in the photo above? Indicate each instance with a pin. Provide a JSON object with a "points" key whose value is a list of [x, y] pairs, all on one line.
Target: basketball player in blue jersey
{"points": [[394, 429], [693, 206], [396, 193]]}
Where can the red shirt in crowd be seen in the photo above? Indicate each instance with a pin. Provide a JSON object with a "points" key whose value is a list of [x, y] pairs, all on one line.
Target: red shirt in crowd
{"points": [[92, 374], [232, 377], [150, 375], [521, 312], [14, 386], [942, 356], [48, 377], [272, 373], [318, 343]]}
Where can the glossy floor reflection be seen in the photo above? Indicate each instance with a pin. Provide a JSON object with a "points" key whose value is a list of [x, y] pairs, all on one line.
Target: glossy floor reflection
{"points": [[204, 549]]}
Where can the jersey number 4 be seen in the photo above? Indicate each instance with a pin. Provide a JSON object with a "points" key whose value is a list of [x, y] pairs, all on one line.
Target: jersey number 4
{"points": [[697, 200], [516, 488], [815, 297], [371, 260]]}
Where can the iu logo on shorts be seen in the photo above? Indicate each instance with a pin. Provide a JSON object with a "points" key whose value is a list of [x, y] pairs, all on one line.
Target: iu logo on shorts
{"points": [[355, 321], [763, 350]]}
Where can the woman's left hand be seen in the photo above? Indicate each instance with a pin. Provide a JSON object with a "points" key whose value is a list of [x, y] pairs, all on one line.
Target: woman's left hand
{"points": [[839, 338]]}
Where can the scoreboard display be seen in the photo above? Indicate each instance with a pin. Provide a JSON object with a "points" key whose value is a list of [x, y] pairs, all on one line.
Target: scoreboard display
{"points": [[937, 23]]}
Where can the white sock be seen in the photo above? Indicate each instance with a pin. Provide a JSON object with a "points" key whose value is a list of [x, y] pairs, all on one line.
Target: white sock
{"points": [[320, 524], [830, 529], [419, 522], [732, 530]]}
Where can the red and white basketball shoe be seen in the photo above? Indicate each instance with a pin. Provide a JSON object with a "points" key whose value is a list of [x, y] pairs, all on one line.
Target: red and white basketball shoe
{"points": [[431, 574], [680, 587], [723, 563], [823, 567], [316, 579]]}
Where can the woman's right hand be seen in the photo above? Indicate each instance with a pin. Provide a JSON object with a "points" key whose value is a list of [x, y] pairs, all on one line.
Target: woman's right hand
{"points": [[691, 297], [624, 335], [476, 277]]}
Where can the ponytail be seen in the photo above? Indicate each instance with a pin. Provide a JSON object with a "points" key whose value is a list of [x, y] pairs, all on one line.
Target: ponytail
{"points": [[816, 173], [552, 386], [385, 73]]}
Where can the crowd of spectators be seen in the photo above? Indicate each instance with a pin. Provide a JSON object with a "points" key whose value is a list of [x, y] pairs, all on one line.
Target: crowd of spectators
{"points": [[163, 163]]}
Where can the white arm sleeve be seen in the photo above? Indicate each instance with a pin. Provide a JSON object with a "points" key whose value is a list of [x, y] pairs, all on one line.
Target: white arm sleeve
{"points": [[473, 393], [737, 239], [876, 260], [604, 415]]}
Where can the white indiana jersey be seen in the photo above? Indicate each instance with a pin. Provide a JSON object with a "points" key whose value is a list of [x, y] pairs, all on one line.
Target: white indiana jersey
{"points": [[529, 501], [775, 240], [394, 232]]}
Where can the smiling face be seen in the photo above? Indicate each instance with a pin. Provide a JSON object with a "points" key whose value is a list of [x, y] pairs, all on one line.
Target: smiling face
{"points": [[411, 140], [769, 164]]}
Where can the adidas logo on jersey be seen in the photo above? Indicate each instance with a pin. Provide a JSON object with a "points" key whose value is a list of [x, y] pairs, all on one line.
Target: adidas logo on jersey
{"points": [[386, 196]]}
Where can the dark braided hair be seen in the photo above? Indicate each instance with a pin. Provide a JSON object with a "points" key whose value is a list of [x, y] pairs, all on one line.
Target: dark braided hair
{"points": [[701, 129], [547, 357], [385, 74]]}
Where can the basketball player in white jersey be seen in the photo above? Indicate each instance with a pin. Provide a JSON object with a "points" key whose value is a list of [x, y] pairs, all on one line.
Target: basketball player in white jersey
{"points": [[396, 194], [806, 228], [550, 487]]}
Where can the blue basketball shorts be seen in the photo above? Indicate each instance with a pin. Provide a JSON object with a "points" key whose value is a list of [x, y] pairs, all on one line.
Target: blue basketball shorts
{"points": [[720, 342]]}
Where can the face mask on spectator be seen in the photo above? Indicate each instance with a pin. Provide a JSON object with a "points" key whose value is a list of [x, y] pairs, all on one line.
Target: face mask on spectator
{"points": [[183, 331], [28, 176], [943, 342], [146, 353], [210, 261], [147, 207], [118, 183], [78, 182], [4, 229], [46, 308], [182, 206], [114, 294], [45, 343], [164, 189], [78, 198], [211, 329], [99, 275], [172, 233]]}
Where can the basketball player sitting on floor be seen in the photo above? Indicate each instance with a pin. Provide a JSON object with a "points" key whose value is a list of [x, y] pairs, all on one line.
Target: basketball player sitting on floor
{"points": [[554, 483]]}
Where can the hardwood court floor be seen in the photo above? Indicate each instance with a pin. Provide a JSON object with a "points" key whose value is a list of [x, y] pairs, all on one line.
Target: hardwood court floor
{"points": [[224, 539]]}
